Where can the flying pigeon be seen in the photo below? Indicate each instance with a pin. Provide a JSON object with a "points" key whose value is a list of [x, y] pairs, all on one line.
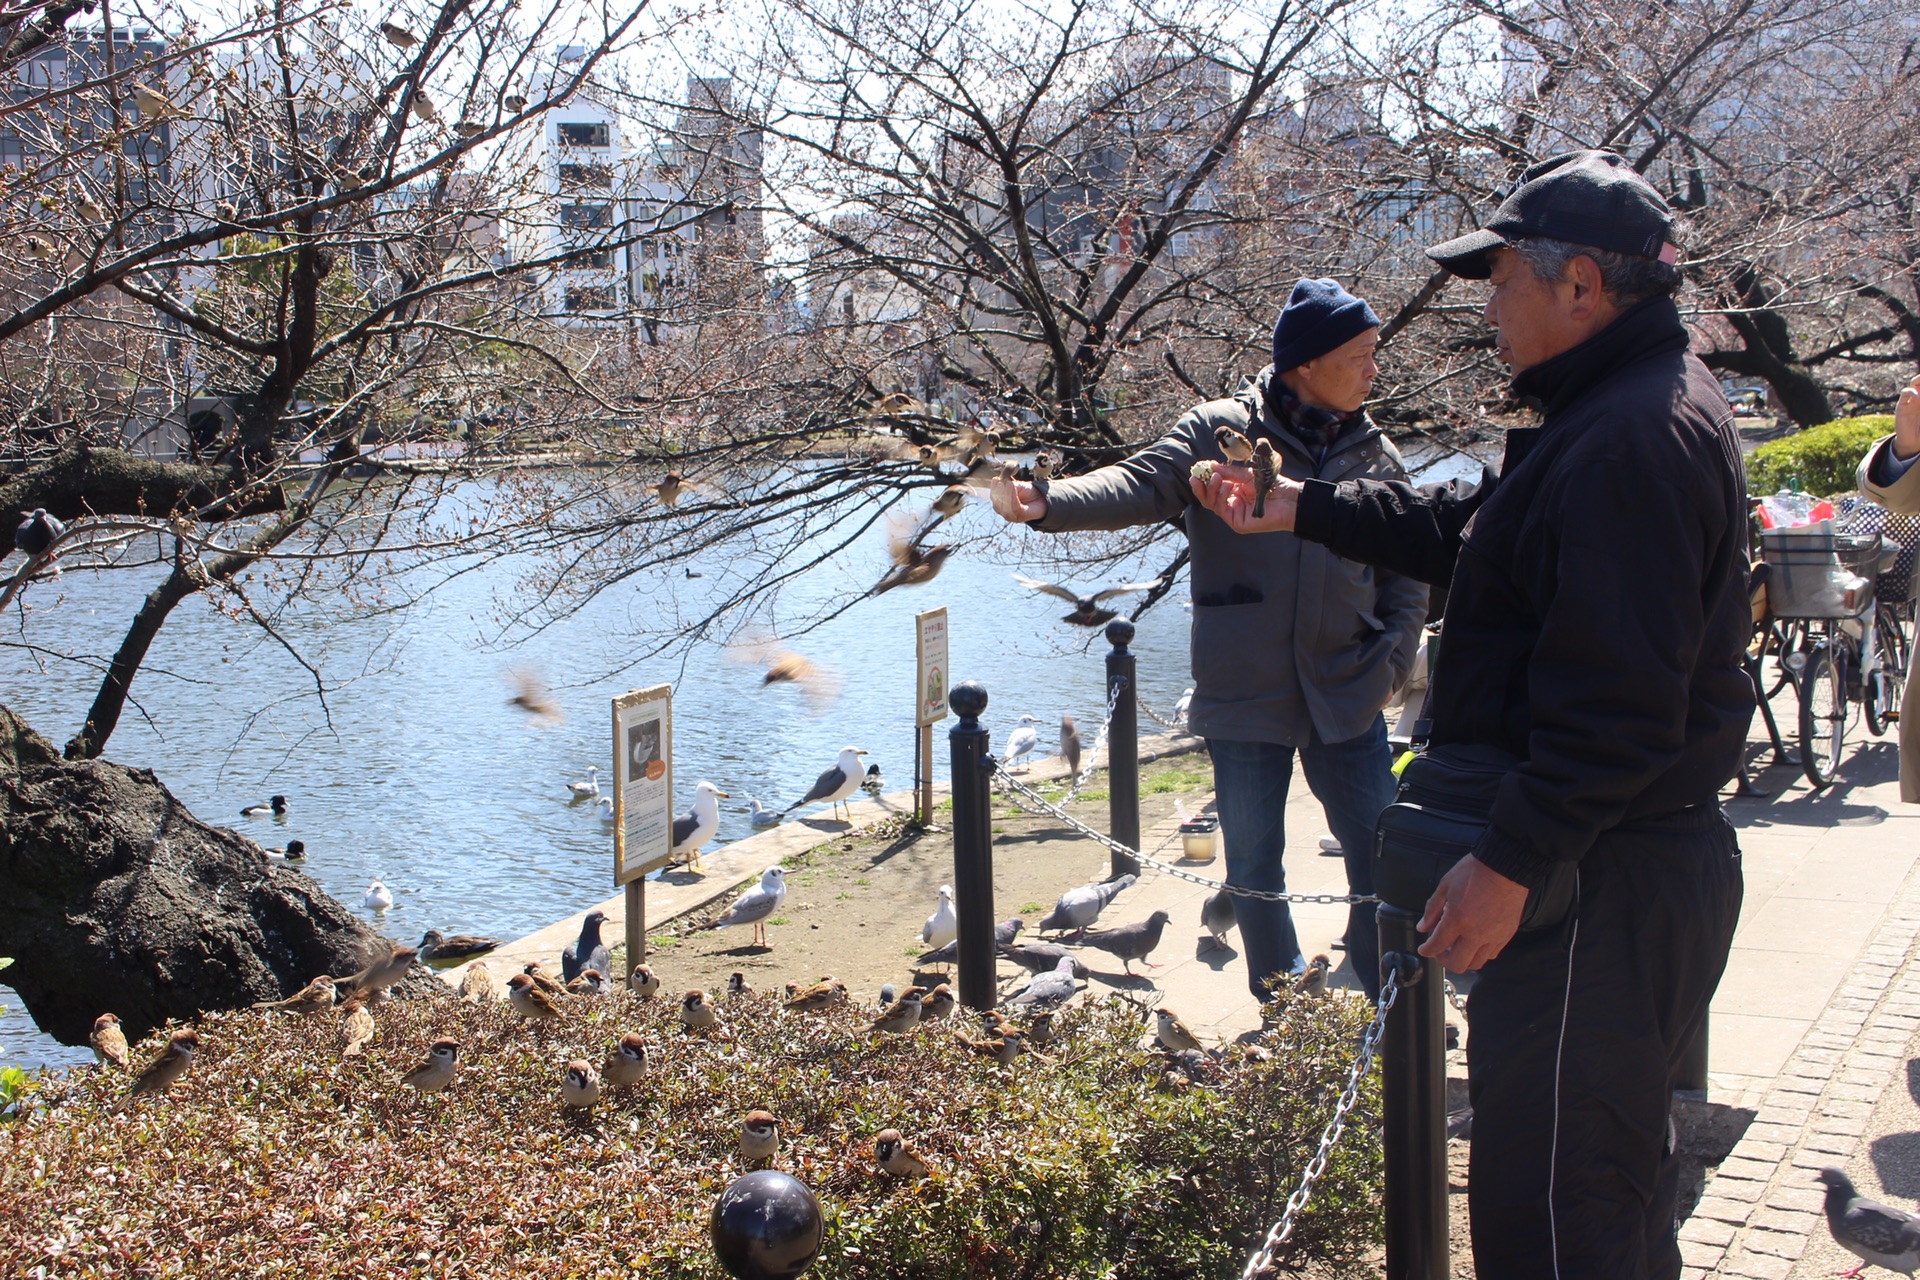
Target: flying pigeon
{"points": [[1078, 908], [836, 784], [1051, 988], [756, 904], [1132, 941], [587, 951], [691, 830], [1875, 1233], [1086, 609], [1021, 742]]}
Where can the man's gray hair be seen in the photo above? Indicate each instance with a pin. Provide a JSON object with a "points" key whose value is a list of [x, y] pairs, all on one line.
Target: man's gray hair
{"points": [[1628, 277]]}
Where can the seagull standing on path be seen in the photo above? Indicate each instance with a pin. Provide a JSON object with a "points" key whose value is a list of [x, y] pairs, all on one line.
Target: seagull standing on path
{"points": [[756, 904], [1021, 742], [691, 830], [1875, 1233], [836, 784], [943, 926]]}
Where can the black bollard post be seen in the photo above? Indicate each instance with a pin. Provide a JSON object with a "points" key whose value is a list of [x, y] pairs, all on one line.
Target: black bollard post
{"points": [[1123, 749], [1413, 1060], [973, 844]]}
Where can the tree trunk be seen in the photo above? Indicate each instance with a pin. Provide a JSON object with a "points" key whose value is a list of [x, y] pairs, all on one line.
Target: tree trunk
{"points": [[84, 481], [111, 699]]}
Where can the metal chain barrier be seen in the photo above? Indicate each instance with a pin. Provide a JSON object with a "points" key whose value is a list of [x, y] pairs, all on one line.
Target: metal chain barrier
{"points": [[1086, 770], [1177, 724], [1262, 1260], [1455, 999], [1040, 806]]}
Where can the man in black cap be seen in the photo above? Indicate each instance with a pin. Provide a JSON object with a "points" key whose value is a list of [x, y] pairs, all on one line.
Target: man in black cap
{"points": [[1294, 649], [1595, 629]]}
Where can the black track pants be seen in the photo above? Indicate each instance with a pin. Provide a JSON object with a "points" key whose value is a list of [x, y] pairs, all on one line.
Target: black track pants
{"points": [[1577, 1032]]}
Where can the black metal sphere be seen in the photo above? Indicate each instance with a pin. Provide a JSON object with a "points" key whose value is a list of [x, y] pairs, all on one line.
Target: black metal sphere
{"points": [[767, 1225], [1120, 632], [968, 698]]}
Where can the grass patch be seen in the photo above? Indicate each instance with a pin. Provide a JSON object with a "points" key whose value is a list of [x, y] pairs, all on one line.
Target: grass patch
{"points": [[1028, 908]]}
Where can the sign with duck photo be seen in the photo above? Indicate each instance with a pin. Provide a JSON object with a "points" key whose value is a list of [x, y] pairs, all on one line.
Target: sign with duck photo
{"points": [[642, 782]]}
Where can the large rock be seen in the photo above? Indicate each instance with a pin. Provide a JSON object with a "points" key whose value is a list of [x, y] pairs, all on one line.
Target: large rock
{"points": [[114, 897]]}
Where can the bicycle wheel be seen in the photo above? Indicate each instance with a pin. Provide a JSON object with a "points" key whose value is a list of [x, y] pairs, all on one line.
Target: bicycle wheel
{"points": [[1880, 694], [1823, 712]]}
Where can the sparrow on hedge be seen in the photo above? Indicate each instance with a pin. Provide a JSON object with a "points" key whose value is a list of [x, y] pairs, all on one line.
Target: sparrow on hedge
{"points": [[697, 1011], [580, 1084], [626, 1063], [356, 1028], [165, 1071], [937, 1003], [382, 973], [1173, 1033], [530, 1002], [1040, 1029], [821, 995], [437, 1069], [542, 979], [589, 983], [643, 983], [314, 998], [900, 1016], [896, 1156], [108, 1041], [1314, 981], [759, 1138], [478, 985], [737, 985]]}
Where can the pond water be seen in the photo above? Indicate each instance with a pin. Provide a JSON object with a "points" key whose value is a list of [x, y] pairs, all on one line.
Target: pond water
{"points": [[427, 778]]}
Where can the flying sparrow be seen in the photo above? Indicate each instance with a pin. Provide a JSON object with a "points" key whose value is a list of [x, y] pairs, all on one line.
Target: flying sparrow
{"points": [[697, 1011], [759, 1138], [383, 973], [627, 1063], [356, 1028], [108, 1041], [437, 1069], [643, 983], [580, 1086], [1172, 1033], [821, 995], [900, 1016], [896, 1155], [937, 1003], [478, 985], [314, 998], [529, 1001], [165, 1071]]}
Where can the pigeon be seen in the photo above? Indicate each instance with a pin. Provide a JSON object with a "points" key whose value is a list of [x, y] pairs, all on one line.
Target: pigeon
{"points": [[762, 816], [693, 829], [887, 993], [1070, 745], [756, 904], [1039, 957], [1133, 941], [1021, 742], [943, 926], [1875, 1233], [836, 784], [1003, 933], [1052, 988], [1216, 917], [587, 951], [37, 532], [590, 788], [1078, 908], [1086, 609]]}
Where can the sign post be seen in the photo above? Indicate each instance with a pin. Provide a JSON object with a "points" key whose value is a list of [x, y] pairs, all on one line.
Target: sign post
{"points": [[930, 692], [642, 801]]}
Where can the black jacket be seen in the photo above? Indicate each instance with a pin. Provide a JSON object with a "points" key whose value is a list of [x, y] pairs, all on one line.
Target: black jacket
{"points": [[1598, 614]]}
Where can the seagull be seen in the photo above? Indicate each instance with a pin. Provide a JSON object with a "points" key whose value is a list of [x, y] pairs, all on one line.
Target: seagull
{"points": [[1070, 745], [763, 816], [1080, 907], [943, 926], [606, 809], [1132, 941], [1003, 934], [590, 788], [1086, 609], [377, 897], [756, 904], [587, 951], [1052, 988], [1181, 707], [275, 805], [836, 784], [1021, 741], [1216, 917], [1875, 1233], [37, 532], [694, 829]]}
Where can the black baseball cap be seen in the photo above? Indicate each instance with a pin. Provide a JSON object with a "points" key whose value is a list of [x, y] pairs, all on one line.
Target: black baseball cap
{"points": [[1583, 197]]}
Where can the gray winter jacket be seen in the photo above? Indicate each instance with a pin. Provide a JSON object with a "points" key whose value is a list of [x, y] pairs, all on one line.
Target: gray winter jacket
{"points": [[1287, 637]]}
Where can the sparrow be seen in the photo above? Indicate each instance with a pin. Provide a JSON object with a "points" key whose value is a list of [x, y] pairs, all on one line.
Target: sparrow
{"points": [[818, 685], [40, 250], [949, 503], [87, 207], [315, 997], [1045, 464], [1086, 609], [160, 1075], [226, 211], [542, 979], [1004, 1046], [580, 1085], [154, 105], [1314, 981], [670, 489], [697, 1011], [108, 1041], [1040, 1029], [1070, 745], [398, 36], [514, 102], [643, 983], [382, 974], [900, 1016], [356, 1028], [423, 109], [896, 1156], [626, 1062], [1263, 473], [478, 985], [1172, 1033], [759, 1138], [589, 983], [464, 129], [531, 696], [821, 995], [436, 1070], [937, 1003], [529, 1001], [737, 985], [1236, 446]]}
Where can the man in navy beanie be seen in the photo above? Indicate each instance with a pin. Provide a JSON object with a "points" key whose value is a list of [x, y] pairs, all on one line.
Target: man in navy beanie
{"points": [[1295, 651]]}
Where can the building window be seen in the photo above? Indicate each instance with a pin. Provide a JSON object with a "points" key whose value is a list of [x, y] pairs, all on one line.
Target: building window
{"points": [[591, 258], [598, 177], [579, 216], [590, 297], [586, 135]]}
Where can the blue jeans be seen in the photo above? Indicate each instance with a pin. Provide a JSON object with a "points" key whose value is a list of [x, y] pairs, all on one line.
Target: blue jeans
{"points": [[1353, 780]]}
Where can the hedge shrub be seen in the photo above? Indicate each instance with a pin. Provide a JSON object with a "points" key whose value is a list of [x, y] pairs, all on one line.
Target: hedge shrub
{"points": [[1822, 458], [276, 1157]]}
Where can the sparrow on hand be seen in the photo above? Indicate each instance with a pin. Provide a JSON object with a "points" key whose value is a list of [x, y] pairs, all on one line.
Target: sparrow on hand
{"points": [[437, 1069], [108, 1041], [580, 1084], [1236, 446], [698, 1011], [896, 1156], [160, 1075], [627, 1062], [1264, 471], [530, 1002], [759, 1138]]}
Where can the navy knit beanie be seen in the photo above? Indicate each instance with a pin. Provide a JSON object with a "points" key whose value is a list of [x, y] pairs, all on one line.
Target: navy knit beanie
{"points": [[1319, 317]]}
